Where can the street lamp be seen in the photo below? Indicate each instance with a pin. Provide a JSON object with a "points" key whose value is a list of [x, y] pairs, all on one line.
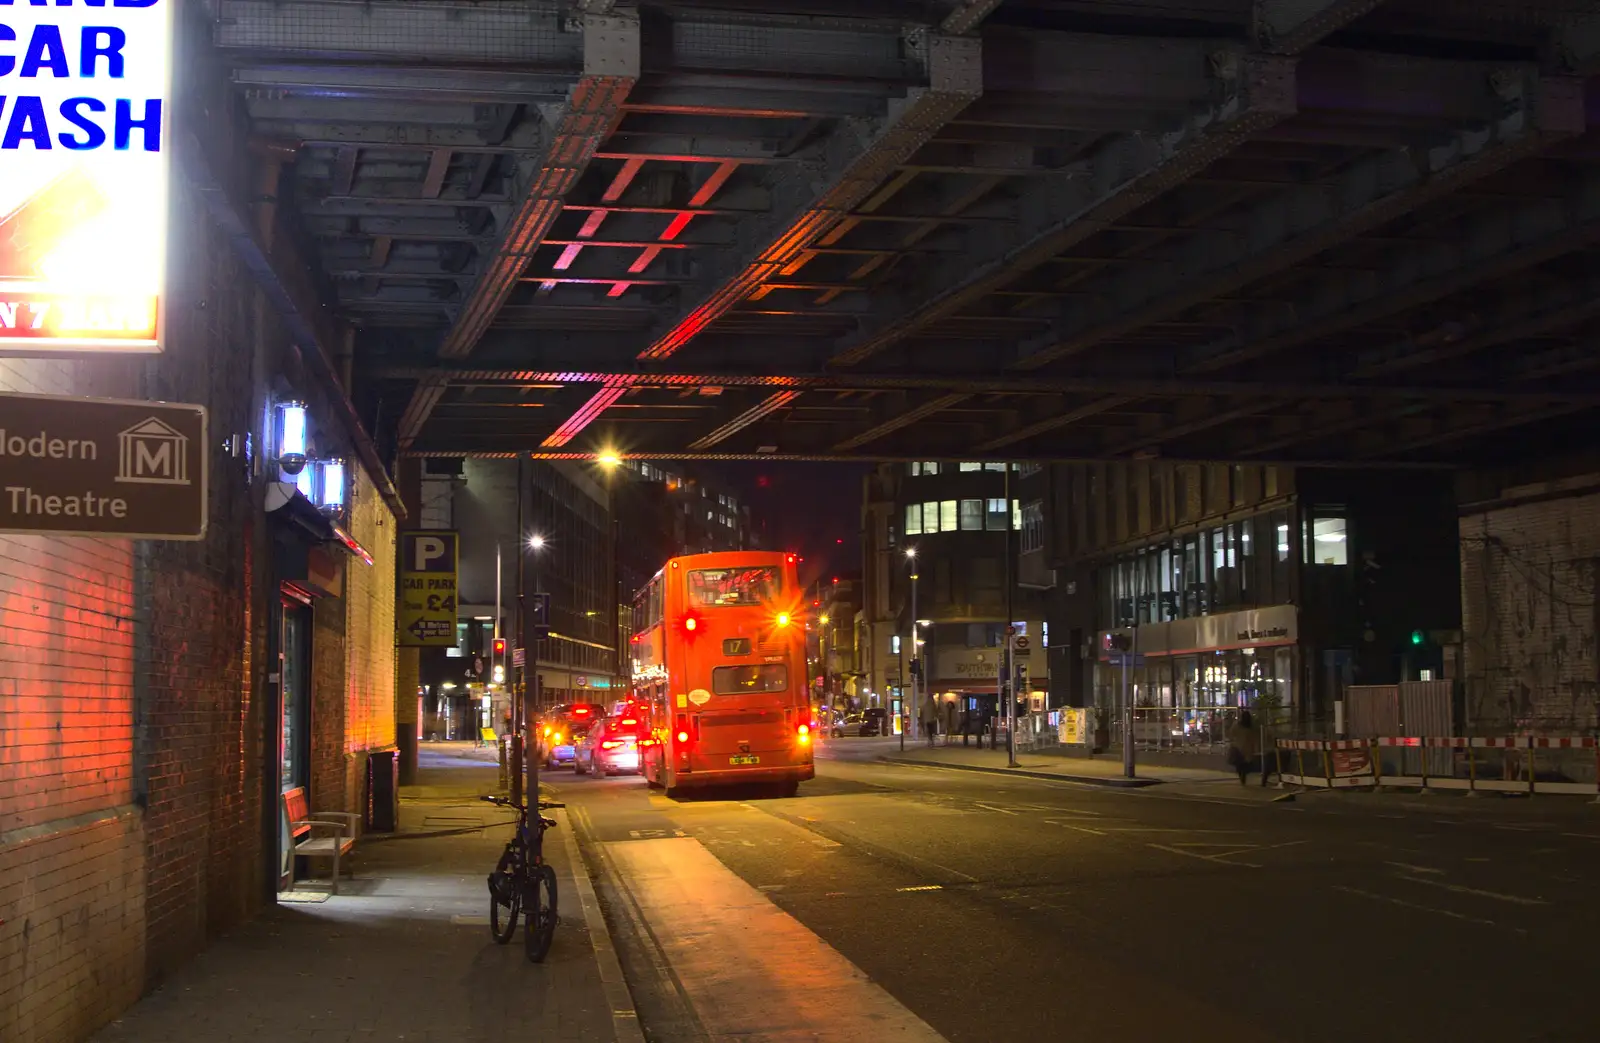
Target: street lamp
{"points": [[907, 720]]}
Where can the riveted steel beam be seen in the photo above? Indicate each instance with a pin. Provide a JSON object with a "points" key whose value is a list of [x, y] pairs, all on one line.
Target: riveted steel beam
{"points": [[1054, 423], [967, 15], [1305, 220], [901, 420], [814, 196], [576, 131], [1121, 176], [760, 411], [1476, 250], [1291, 26]]}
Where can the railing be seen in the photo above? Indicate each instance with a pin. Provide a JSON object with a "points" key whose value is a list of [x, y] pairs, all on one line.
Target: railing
{"points": [[1501, 764]]}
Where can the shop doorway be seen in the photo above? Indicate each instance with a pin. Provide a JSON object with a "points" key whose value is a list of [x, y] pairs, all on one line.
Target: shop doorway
{"points": [[293, 729]]}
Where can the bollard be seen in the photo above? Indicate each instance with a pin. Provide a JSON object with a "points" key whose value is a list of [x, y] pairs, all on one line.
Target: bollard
{"points": [[504, 782], [1472, 771]]}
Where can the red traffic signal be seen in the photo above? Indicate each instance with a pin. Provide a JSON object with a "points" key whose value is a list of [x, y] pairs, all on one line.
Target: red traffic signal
{"points": [[499, 646]]}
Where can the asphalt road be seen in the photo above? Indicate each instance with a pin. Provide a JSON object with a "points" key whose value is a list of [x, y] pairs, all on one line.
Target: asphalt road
{"points": [[1008, 909]]}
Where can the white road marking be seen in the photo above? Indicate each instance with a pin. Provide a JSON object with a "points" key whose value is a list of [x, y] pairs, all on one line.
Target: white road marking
{"points": [[1415, 869], [922, 887], [1084, 829], [1414, 905], [1204, 858], [991, 807], [1475, 892]]}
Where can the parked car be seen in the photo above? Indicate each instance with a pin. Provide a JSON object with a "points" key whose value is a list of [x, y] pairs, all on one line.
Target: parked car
{"points": [[875, 721], [849, 723], [611, 747]]}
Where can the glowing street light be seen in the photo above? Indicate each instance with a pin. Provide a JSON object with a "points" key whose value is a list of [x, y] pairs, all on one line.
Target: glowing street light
{"points": [[608, 458], [536, 542]]}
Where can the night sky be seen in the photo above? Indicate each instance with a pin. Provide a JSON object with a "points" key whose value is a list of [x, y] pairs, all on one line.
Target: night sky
{"points": [[814, 509]]}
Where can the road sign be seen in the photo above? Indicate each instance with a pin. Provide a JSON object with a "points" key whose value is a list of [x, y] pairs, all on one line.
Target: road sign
{"points": [[1126, 658], [541, 616], [1020, 645], [428, 589], [103, 467], [518, 657]]}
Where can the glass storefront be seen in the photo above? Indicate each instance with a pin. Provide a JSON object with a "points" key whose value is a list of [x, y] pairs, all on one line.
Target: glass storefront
{"points": [[1189, 700]]}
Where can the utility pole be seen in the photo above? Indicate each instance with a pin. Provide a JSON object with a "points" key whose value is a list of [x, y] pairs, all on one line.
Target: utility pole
{"points": [[1127, 706], [1008, 684]]}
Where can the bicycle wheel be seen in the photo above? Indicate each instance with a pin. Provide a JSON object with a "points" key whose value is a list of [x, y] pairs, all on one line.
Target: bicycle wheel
{"points": [[505, 899], [541, 919]]}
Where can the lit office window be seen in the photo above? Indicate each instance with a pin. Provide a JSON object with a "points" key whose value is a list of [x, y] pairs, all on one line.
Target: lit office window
{"points": [[972, 466], [947, 516], [1329, 545], [995, 515], [913, 519], [971, 514]]}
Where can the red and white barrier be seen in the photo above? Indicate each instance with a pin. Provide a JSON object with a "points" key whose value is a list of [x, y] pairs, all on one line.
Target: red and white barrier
{"points": [[1358, 762]]}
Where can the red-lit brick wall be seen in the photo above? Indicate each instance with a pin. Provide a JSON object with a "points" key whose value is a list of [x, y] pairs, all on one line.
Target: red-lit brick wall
{"points": [[71, 843]]}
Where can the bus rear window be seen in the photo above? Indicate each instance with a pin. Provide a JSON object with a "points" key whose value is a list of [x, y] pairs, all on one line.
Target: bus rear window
{"points": [[750, 680], [725, 588]]}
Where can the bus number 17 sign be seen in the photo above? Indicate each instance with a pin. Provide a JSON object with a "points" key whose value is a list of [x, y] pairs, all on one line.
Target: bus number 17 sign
{"points": [[84, 146]]}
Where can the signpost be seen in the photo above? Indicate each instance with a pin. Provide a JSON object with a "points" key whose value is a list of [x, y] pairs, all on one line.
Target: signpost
{"points": [[428, 589], [102, 467], [83, 203], [1126, 660]]}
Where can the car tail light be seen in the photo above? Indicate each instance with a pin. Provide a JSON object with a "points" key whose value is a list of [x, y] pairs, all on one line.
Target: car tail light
{"points": [[629, 720], [611, 744], [805, 734]]}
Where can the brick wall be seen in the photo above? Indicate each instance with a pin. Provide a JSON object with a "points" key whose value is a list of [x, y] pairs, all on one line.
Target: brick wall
{"points": [[71, 847], [1528, 583]]}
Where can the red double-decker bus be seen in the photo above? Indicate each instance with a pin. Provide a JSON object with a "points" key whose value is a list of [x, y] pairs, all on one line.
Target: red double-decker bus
{"points": [[719, 657]]}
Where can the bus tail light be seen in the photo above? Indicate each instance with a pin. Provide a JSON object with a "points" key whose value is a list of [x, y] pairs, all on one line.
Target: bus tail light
{"points": [[683, 736], [612, 744], [804, 734]]}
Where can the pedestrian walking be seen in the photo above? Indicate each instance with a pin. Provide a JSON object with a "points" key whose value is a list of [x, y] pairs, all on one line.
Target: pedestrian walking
{"points": [[951, 719], [930, 717], [1244, 748]]}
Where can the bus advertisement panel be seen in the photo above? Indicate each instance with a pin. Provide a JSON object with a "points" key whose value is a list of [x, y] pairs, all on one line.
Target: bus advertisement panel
{"points": [[719, 657]]}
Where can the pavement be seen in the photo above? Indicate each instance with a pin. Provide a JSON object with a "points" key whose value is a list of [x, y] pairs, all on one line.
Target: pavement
{"points": [[403, 952]]}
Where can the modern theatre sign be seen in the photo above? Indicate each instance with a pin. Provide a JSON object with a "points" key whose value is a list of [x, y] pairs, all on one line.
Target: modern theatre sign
{"points": [[102, 467], [84, 147]]}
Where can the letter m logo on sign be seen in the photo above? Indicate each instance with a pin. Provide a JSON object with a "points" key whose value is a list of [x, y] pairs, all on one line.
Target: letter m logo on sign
{"points": [[152, 452]]}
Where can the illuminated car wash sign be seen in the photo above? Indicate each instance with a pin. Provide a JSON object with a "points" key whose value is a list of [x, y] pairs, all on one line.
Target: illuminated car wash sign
{"points": [[84, 146]]}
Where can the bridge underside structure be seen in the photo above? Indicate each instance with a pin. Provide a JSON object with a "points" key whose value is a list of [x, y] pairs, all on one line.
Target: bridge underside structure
{"points": [[1320, 231]]}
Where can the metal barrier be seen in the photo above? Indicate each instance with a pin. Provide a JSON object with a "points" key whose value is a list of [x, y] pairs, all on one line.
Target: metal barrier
{"points": [[1343, 762], [1474, 762]]}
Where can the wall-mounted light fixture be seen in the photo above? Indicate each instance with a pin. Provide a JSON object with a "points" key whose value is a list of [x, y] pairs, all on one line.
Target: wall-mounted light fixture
{"points": [[331, 495], [290, 438]]}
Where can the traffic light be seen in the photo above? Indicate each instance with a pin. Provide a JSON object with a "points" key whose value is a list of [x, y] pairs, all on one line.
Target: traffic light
{"points": [[1116, 643], [499, 648], [1022, 679], [1418, 637]]}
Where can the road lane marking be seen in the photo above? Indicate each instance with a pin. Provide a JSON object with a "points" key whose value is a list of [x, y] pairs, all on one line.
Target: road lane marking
{"points": [[1083, 829], [1475, 892], [1420, 908], [991, 807], [1218, 859], [922, 887], [1416, 869], [750, 970]]}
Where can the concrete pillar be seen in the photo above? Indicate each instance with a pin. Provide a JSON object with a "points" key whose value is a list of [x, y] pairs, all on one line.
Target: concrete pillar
{"points": [[408, 663]]}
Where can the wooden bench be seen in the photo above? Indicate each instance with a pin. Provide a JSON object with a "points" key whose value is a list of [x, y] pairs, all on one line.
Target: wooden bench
{"points": [[304, 827]]}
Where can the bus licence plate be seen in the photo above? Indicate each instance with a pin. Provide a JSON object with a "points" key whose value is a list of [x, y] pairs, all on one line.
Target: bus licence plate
{"points": [[744, 759]]}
